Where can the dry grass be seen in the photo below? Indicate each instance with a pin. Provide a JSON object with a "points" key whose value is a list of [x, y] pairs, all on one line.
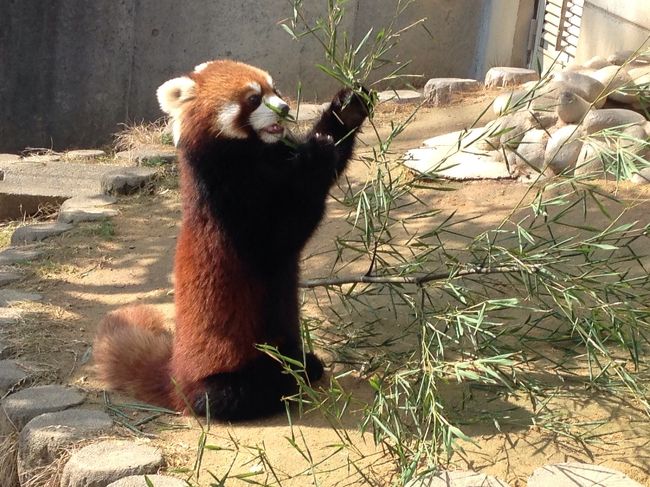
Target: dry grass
{"points": [[143, 134], [8, 456]]}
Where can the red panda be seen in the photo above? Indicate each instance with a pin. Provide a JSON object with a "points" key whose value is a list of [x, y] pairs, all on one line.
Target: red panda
{"points": [[251, 198]]}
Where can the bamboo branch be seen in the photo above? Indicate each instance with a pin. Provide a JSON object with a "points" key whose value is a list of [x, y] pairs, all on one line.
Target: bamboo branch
{"points": [[417, 280]]}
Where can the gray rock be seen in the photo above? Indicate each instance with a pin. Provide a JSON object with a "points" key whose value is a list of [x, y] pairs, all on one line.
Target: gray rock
{"points": [[75, 155], [100, 464], [17, 255], [614, 78], [38, 232], [149, 157], [507, 76], [642, 177], [308, 111], [7, 277], [439, 91], [6, 349], [563, 149], [455, 165], [400, 96], [87, 208], [620, 57], [127, 180], [19, 408], [574, 474], [9, 316], [589, 162], [530, 152], [10, 375], [10, 297], [458, 478], [42, 158], [596, 62], [571, 108], [584, 86], [8, 158], [44, 437], [597, 120], [156, 480]]}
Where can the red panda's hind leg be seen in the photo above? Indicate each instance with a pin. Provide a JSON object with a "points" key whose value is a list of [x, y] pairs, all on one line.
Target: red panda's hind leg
{"points": [[253, 392]]}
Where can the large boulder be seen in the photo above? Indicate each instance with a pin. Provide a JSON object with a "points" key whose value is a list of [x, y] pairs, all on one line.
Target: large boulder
{"points": [[587, 87], [507, 76], [615, 78], [571, 108], [563, 149], [597, 120]]}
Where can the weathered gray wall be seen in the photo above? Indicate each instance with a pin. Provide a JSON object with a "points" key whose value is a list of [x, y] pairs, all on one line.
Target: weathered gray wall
{"points": [[613, 25], [72, 70]]}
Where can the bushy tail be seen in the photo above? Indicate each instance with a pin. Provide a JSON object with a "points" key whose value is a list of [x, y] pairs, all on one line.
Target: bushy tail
{"points": [[132, 353]]}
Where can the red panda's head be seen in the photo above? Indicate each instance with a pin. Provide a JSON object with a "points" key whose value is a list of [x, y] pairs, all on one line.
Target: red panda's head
{"points": [[224, 99]]}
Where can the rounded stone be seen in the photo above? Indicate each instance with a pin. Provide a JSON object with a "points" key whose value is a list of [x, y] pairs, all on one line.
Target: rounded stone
{"points": [[530, 152], [586, 87], [597, 120], [99, 464], [87, 208], [563, 149], [44, 437], [641, 177], [149, 157], [574, 474], [507, 76], [637, 73], [10, 375], [22, 406], [571, 108], [613, 78], [84, 154], [596, 62], [589, 162], [439, 91], [127, 180], [458, 478], [38, 232], [156, 480]]}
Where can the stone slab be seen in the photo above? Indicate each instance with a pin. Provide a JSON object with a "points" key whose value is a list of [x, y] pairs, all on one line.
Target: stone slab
{"points": [[7, 277], [127, 180], [8, 158], [9, 297], [574, 474], [453, 156], [21, 407], [460, 478], [75, 155], [30, 186], [38, 231], [149, 157], [100, 464], [400, 96], [42, 158], [44, 437], [10, 375], [13, 255], [156, 480], [87, 208], [9, 316]]}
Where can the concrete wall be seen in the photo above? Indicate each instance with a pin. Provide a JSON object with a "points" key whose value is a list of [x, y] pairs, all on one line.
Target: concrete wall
{"points": [[613, 25], [72, 70]]}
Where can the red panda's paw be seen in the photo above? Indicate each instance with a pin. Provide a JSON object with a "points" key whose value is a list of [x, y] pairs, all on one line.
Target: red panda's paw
{"points": [[352, 107], [313, 367]]}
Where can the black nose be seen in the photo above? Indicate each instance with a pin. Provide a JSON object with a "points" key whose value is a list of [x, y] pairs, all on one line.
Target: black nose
{"points": [[284, 110]]}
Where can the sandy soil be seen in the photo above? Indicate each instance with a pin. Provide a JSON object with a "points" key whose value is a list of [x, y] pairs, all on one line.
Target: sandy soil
{"points": [[98, 267]]}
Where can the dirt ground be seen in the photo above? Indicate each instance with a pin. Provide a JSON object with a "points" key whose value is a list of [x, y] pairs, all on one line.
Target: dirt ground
{"points": [[98, 267]]}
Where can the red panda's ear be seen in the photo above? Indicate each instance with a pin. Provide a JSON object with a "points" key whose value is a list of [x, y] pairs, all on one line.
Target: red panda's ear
{"points": [[173, 93]]}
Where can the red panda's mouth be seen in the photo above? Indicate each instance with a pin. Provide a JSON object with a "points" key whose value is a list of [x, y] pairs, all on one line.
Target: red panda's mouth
{"points": [[274, 128]]}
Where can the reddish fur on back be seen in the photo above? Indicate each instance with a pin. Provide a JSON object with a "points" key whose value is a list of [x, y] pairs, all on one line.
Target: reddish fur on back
{"points": [[132, 351]]}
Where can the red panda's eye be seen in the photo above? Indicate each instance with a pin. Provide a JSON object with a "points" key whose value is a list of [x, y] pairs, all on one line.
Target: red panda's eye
{"points": [[254, 100]]}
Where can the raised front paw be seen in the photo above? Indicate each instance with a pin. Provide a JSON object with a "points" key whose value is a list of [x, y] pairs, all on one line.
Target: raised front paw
{"points": [[352, 107]]}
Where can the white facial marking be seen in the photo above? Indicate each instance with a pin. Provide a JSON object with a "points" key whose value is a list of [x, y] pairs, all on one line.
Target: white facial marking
{"points": [[227, 122], [269, 79], [265, 116], [200, 67], [255, 87], [176, 131]]}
